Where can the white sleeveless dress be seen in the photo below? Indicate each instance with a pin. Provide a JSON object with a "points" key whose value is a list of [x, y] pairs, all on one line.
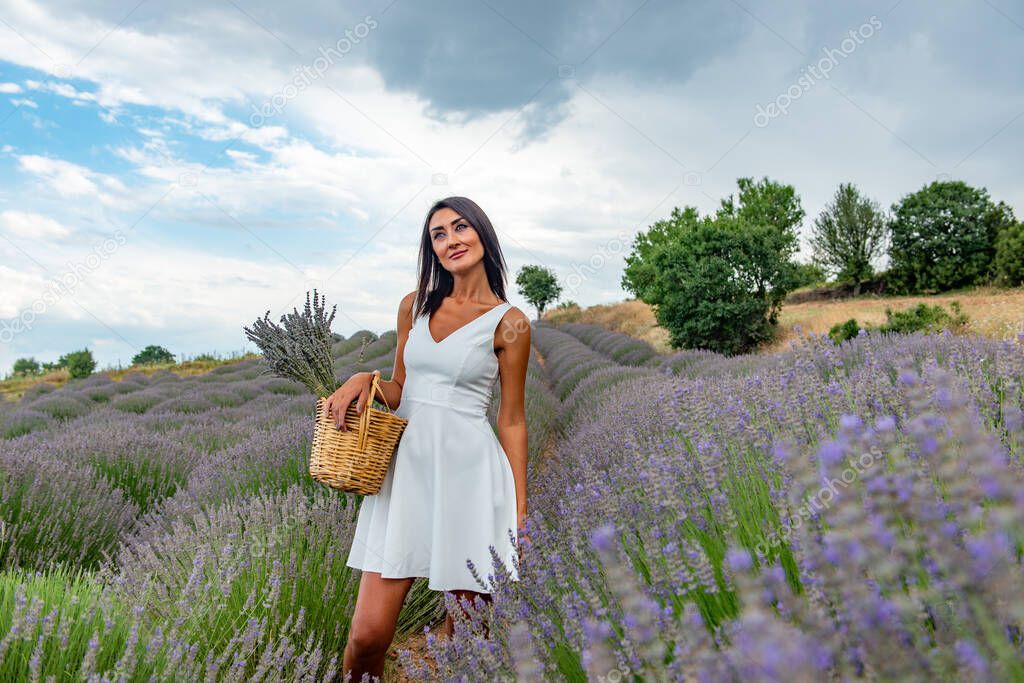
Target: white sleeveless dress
{"points": [[449, 491]]}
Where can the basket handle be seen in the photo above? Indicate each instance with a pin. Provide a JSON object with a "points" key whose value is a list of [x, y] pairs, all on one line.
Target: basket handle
{"points": [[364, 419]]}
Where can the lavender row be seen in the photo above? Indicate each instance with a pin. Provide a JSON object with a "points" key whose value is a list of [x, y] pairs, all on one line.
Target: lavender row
{"points": [[852, 512]]}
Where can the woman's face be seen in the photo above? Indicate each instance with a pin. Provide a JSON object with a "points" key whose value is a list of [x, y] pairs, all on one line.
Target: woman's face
{"points": [[455, 241]]}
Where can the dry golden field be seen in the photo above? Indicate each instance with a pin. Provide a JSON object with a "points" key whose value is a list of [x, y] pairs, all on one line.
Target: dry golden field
{"points": [[993, 312]]}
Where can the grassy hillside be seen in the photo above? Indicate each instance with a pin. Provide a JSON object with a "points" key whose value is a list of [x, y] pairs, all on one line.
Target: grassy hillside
{"points": [[996, 313]]}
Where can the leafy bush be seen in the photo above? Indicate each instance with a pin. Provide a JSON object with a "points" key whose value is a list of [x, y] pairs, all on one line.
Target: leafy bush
{"points": [[26, 366], [919, 318], [840, 332], [924, 318], [79, 363]]}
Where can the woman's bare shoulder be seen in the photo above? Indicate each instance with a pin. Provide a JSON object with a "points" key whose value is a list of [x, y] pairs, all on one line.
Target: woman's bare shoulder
{"points": [[406, 305], [514, 321]]}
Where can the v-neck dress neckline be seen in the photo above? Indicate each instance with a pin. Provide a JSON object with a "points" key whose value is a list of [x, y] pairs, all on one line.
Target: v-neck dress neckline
{"points": [[461, 327]]}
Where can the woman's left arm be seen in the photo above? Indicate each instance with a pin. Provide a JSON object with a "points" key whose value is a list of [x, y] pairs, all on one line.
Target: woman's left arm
{"points": [[513, 347]]}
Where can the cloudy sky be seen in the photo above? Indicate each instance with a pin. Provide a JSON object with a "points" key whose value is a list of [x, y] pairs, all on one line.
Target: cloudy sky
{"points": [[169, 171]]}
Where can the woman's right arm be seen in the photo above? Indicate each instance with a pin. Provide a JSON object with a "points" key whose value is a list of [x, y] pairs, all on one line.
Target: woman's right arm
{"points": [[357, 387]]}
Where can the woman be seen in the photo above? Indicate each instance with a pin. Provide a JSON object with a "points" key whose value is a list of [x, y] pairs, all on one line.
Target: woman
{"points": [[453, 488]]}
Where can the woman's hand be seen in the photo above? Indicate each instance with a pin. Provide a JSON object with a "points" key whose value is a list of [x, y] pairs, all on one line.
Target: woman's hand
{"points": [[356, 387]]}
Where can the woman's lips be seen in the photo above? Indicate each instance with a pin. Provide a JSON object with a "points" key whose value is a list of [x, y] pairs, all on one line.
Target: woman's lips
{"points": [[458, 254]]}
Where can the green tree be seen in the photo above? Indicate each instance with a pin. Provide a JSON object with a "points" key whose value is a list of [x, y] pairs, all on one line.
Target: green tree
{"points": [[848, 234], [1009, 264], [78, 363], [153, 354], [767, 202], [26, 366], [715, 283], [944, 237], [538, 286]]}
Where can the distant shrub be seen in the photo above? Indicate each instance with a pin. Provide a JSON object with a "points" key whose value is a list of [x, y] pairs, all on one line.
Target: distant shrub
{"points": [[79, 363], [924, 318], [26, 366], [840, 332], [919, 318]]}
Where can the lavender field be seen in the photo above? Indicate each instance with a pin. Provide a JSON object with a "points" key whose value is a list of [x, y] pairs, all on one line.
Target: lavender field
{"points": [[850, 512]]}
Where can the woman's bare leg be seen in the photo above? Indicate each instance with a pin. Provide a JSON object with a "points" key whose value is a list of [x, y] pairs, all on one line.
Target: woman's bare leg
{"points": [[373, 623], [449, 622]]}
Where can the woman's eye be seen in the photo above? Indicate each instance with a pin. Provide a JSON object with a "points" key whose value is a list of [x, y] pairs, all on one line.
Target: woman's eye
{"points": [[461, 225]]}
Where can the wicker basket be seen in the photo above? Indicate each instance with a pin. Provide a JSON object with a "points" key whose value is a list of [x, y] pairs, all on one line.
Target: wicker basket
{"points": [[355, 460]]}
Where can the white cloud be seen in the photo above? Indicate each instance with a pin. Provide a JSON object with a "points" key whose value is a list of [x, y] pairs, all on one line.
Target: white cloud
{"points": [[61, 89], [10, 88], [68, 179], [24, 102], [31, 225]]}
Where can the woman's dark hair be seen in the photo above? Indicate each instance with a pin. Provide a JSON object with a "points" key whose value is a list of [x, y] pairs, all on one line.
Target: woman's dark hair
{"points": [[435, 282]]}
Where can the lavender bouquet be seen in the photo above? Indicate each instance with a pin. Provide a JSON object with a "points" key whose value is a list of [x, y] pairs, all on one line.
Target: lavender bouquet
{"points": [[301, 349]]}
